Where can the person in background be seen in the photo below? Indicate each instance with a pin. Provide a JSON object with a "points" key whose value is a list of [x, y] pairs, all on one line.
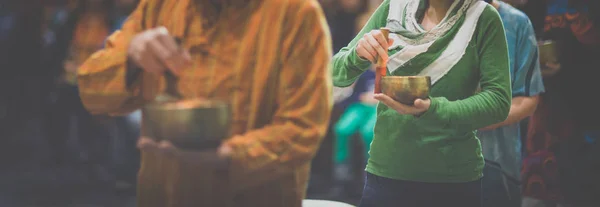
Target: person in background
{"points": [[104, 146], [342, 20], [92, 24], [359, 117], [501, 142], [427, 154], [39, 165], [122, 10], [24, 91], [562, 160], [44, 161], [346, 18], [267, 58]]}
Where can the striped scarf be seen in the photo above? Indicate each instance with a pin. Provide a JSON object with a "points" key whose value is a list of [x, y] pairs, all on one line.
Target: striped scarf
{"points": [[430, 53]]}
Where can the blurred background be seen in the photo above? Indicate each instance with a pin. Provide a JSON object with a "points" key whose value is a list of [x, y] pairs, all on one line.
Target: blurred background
{"points": [[54, 153]]}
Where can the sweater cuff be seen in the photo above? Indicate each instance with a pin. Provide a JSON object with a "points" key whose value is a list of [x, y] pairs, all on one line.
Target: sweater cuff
{"points": [[434, 117], [360, 63]]}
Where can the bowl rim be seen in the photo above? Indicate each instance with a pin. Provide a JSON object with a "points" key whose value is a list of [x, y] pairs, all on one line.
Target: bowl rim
{"points": [[186, 104], [408, 77]]}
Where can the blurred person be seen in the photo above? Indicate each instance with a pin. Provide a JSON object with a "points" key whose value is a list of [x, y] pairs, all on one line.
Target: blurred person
{"points": [[359, 99], [562, 162], [359, 117], [342, 20], [30, 172], [501, 142], [427, 154], [122, 10], [276, 81], [55, 15], [127, 127], [104, 147], [92, 24]]}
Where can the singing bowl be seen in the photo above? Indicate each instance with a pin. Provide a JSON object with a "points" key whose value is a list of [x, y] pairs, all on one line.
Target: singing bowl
{"points": [[406, 89], [192, 123], [548, 52]]}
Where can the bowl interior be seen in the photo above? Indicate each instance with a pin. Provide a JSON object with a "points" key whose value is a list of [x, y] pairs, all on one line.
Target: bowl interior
{"points": [[186, 104], [187, 122]]}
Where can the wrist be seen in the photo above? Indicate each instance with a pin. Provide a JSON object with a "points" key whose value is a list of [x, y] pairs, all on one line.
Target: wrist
{"points": [[359, 62]]}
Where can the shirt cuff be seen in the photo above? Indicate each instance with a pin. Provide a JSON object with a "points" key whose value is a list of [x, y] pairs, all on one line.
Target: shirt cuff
{"points": [[357, 61], [433, 117]]}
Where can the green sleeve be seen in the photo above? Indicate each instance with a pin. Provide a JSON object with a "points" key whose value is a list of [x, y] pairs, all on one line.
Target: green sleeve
{"points": [[492, 104], [347, 66]]}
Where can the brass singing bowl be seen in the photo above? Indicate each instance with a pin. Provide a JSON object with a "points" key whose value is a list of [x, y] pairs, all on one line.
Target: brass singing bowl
{"points": [[406, 89], [191, 123], [548, 52]]}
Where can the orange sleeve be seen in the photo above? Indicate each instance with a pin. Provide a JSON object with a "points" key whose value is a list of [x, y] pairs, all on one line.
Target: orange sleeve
{"points": [[101, 78], [304, 100]]}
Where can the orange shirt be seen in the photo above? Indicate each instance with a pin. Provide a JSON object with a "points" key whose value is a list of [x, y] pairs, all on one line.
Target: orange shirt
{"points": [[269, 58]]}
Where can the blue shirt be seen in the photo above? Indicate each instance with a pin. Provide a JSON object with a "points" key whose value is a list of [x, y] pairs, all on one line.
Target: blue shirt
{"points": [[502, 146]]}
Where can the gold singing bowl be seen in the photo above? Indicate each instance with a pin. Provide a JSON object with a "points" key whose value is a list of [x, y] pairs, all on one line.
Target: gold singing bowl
{"points": [[191, 123], [548, 52], [406, 89]]}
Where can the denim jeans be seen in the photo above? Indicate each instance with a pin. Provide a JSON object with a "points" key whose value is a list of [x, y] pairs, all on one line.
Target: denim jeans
{"points": [[385, 192], [499, 189]]}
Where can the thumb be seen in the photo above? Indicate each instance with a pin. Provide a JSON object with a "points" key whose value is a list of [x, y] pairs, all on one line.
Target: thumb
{"points": [[420, 103], [225, 151], [390, 42]]}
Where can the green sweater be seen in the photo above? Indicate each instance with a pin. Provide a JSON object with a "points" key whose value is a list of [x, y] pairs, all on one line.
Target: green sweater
{"points": [[440, 146]]}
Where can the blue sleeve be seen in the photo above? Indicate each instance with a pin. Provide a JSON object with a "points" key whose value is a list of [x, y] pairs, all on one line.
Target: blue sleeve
{"points": [[528, 77]]}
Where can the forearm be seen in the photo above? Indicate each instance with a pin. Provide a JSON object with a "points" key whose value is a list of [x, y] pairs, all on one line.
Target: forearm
{"points": [[521, 108], [347, 67], [104, 90], [475, 112]]}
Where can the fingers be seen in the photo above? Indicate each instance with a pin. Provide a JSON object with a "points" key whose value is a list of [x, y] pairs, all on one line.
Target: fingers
{"points": [[553, 66], [168, 51], [146, 143], [172, 55], [156, 50], [164, 146], [365, 50], [225, 151], [377, 35], [142, 56], [373, 45], [400, 108], [422, 104], [167, 147], [419, 107], [379, 43]]}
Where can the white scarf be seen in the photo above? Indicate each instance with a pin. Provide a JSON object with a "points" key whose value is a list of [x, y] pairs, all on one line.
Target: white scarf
{"points": [[415, 41]]}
